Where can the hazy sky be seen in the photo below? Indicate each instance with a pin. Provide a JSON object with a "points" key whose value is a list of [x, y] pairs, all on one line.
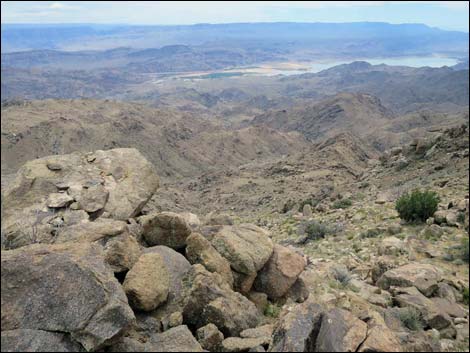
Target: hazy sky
{"points": [[444, 14]]}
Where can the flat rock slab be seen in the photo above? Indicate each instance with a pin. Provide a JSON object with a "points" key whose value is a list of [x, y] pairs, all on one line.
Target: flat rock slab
{"points": [[422, 276]]}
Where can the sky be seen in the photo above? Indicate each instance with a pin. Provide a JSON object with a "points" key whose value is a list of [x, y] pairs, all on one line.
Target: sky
{"points": [[450, 15]]}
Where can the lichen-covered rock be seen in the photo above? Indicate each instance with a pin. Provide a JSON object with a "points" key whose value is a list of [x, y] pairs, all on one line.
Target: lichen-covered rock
{"points": [[247, 248], [147, 283], [166, 228], [178, 267], [116, 182], [209, 337], [122, 252], [280, 272], [209, 299], [200, 251], [64, 288]]}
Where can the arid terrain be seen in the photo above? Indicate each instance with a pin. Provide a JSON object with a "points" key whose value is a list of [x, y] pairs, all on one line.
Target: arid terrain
{"points": [[143, 211]]}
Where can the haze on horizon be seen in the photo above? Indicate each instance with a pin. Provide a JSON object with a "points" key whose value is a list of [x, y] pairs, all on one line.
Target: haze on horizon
{"points": [[448, 15]]}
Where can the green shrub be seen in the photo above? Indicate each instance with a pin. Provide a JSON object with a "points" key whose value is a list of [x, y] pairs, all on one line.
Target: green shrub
{"points": [[310, 201], [417, 206], [465, 296], [316, 230], [461, 217], [343, 203], [464, 250], [272, 310], [411, 319]]}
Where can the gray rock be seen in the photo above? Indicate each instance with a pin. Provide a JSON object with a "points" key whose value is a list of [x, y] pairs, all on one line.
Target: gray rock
{"points": [[297, 330], [166, 228], [209, 299], [177, 339], [280, 272], [340, 332], [24, 340], [128, 178], [209, 337], [64, 288]]}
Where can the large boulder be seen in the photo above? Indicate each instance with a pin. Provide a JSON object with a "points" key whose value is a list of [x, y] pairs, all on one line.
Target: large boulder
{"points": [[247, 248], [379, 337], [209, 299], [116, 183], [178, 267], [166, 228], [280, 272], [422, 276], [340, 331], [147, 283], [296, 331], [64, 288], [200, 251]]}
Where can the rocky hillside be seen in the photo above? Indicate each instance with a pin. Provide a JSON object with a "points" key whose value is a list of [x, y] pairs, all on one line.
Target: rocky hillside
{"points": [[154, 280], [178, 144]]}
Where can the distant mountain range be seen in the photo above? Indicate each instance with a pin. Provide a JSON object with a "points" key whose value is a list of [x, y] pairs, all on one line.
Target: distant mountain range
{"points": [[360, 39]]}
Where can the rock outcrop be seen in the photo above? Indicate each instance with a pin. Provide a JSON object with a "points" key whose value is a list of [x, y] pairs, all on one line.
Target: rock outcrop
{"points": [[64, 288]]}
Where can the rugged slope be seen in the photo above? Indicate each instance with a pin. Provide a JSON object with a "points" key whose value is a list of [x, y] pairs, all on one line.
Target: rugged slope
{"points": [[178, 144]]}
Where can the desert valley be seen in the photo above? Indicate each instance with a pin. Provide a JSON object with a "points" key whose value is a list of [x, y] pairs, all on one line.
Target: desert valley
{"points": [[235, 187]]}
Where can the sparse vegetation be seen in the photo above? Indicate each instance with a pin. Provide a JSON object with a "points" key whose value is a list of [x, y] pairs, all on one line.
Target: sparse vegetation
{"points": [[417, 206], [342, 275], [411, 319], [464, 250], [310, 201], [288, 205], [343, 203], [461, 217], [465, 294], [315, 230], [272, 310], [371, 233]]}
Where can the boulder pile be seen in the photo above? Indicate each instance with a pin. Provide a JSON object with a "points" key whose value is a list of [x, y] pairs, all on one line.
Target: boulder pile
{"points": [[84, 270]]}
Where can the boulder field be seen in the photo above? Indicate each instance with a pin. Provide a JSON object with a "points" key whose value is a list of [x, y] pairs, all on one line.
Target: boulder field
{"points": [[86, 268]]}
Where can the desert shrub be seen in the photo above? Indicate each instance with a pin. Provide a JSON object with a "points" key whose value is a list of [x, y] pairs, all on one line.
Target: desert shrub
{"points": [[342, 275], [461, 217], [417, 206], [288, 205], [343, 203], [465, 295], [464, 250], [371, 233], [310, 201], [272, 310], [315, 230], [411, 319]]}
